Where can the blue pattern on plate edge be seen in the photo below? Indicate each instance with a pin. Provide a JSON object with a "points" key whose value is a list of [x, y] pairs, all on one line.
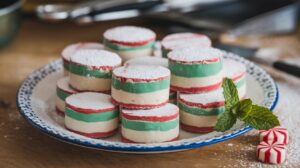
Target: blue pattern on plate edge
{"points": [[24, 106]]}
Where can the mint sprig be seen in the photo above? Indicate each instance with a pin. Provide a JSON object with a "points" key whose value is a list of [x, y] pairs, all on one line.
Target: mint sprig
{"points": [[258, 117]]}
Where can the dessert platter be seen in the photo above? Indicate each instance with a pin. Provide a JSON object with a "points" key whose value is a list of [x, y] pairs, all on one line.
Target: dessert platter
{"points": [[118, 97]]}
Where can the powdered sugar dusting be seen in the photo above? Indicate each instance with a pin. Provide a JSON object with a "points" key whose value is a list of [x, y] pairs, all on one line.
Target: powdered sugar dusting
{"points": [[63, 83], [129, 34], [233, 68], [71, 49], [190, 54], [90, 100], [182, 40], [94, 57], [148, 60], [204, 98], [141, 72], [166, 110]]}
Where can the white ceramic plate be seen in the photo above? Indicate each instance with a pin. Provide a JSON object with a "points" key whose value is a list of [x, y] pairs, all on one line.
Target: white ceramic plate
{"points": [[36, 104]]}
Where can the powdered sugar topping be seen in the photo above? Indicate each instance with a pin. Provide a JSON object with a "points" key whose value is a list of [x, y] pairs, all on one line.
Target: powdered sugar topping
{"points": [[94, 57], [182, 40], [71, 49], [141, 72], [195, 54], [129, 34], [90, 100], [148, 60], [63, 84], [233, 68], [166, 110], [204, 98]]}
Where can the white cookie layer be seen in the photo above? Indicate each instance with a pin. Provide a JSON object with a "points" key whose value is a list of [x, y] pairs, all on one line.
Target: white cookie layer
{"points": [[197, 121], [91, 127], [150, 136], [183, 82], [87, 83], [151, 98]]}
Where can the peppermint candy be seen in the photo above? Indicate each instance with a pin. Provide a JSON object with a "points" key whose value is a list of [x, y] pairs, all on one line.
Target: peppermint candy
{"points": [[277, 134], [272, 153]]}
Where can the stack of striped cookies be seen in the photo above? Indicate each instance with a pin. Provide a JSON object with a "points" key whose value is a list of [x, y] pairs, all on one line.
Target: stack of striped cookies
{"points": [[152, 96]]}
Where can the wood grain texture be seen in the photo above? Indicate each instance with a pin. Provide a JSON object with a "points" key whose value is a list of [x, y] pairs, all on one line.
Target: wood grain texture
{"points": [[22, 145]]}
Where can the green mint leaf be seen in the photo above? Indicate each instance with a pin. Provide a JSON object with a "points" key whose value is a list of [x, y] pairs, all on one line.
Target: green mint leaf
{"points": [[261, 118], [230, 93], [225, 121], [243, 108]]}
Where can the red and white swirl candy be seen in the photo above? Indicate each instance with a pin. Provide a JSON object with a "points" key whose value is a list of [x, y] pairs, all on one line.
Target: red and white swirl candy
{"points": [[273, 153], [277, 134]]}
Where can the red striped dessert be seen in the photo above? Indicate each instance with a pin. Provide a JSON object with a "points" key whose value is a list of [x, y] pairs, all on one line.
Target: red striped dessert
{"points": [[91, 114], [63, 90], [91, 70], [140, 87], [150, 126], [196, 70], [129, 41], [183, 40], [70, 50]]}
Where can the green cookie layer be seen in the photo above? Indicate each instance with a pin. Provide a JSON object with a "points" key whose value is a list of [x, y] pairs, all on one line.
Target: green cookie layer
{"points": [[200, 112], [61, 94], [103, 116], [195, 70], [149, 126], [87, 72], [66, 65], [117, 47], [144, 87]]}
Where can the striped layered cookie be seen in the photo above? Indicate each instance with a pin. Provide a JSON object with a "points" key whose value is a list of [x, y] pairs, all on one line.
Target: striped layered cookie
{"points": [[91, 69], [199, 112], [183, 40], [196, 70], [237, 72], [63, 90], [69, 50], [140, 87], [91, 114], [151, 60], [150, 126], [129, 41]]}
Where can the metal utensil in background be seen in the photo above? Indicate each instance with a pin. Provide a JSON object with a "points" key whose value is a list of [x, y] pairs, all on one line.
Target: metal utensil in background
{"points": [[93, 11], [10, 20]]}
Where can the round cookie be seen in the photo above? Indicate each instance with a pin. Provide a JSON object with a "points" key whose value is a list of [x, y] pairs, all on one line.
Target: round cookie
{"points": [[196, 70], [199, 112], [140, 87], [148, 60], [91, 114], [129, 41], [70, 50], [63, 90], [237, 72], [91, 69], [150, 126], [183, 40]]}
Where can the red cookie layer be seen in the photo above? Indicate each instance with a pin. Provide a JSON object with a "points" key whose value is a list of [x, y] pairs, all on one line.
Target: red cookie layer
{"points": [[96, 134], [151, 118], [196, 129], [59, 112], [137, 106], [125, 140], [197, 89]]}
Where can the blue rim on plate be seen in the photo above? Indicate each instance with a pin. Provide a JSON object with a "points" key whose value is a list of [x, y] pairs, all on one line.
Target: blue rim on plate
{"points": [[25, 109]]}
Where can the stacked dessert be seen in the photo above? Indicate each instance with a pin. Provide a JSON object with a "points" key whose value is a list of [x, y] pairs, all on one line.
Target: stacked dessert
{"points": [[146, 89], [142, 92]]}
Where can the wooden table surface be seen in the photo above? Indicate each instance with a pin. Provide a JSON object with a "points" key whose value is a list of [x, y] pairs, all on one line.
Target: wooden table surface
{"points": [[21, 145]]}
